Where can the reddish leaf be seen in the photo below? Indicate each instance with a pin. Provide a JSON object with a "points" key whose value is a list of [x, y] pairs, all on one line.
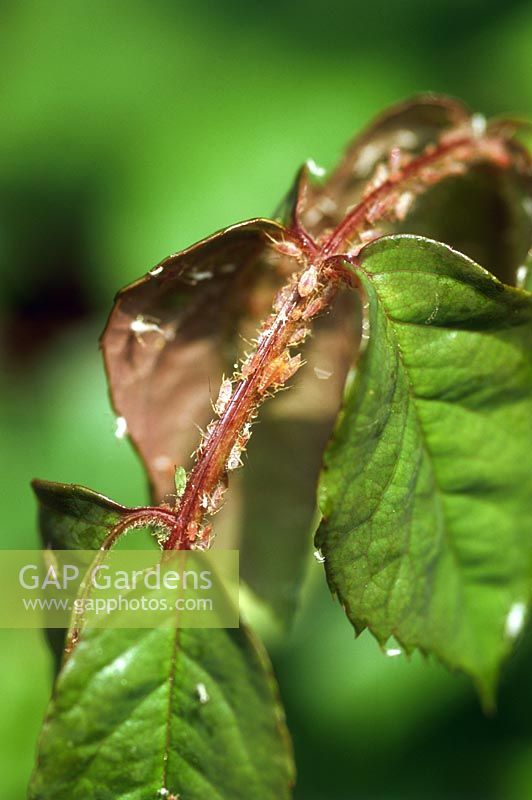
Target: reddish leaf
{"points": [[410, 125], [168, 333]]}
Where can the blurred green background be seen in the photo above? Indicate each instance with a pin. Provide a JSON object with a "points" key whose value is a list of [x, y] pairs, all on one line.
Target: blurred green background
{"points": [[129, 130]]}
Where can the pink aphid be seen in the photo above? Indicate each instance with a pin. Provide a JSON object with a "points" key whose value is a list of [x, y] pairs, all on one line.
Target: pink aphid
{"points": [[369, 235], [314, 307], [395, 160], [216, 499], [192, 531], [308, 281], [285, 247], [245, 435], [299, 336], [282, 297], [381, 175], [247, 366], [290, 368], [224, 396], [234, 461]]}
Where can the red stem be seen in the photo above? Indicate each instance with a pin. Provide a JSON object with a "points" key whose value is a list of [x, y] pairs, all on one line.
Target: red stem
{"points": [[210, 467]]}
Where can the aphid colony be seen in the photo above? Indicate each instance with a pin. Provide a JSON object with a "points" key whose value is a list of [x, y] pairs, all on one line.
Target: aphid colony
{"points": [[396, 205], [295, 303]]}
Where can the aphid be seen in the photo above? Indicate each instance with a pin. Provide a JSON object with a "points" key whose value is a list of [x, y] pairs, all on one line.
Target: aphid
{"points": [[234, 461], [285, 247], [369, 235], [161, 534], [215, 501], [192, 531], [203, 541], [280, 371], [289, 368], [200, 274], [120, 427], [478, 125], [180, 479], [282, 297], [315, 169], [141, 325], [298, 336], [296, 314], [308, 281], [205, 533], [318, 304], [283, 317], [203, 695], [314, 307], [244, 436], [395, 160], [224, 396], [374, 211], [403, 205], [381, 175], [247, 366]]}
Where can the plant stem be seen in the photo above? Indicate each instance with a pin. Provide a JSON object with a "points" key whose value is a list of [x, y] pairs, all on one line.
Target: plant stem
{"points": [[272, 363]]}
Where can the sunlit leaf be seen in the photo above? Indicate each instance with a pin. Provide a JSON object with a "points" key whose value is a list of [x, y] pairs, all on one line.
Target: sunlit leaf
{"points": [[195, 709], [73, 517], [496, 231], [427, 489], [191, 713]]}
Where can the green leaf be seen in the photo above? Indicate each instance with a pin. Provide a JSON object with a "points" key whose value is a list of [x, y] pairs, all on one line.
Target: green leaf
{"points": [[427, 490], [276, 538], [192, 711], [142, 714], [73, 517], [496, 231]]}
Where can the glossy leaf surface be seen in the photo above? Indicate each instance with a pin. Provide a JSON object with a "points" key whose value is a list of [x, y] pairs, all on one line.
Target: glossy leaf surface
{"points": [[161, 713], [427, 489], [155, 712], [171, 335]]}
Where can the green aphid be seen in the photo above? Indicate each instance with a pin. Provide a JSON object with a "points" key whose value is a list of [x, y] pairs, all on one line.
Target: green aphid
{"points": [[180, 480]]}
